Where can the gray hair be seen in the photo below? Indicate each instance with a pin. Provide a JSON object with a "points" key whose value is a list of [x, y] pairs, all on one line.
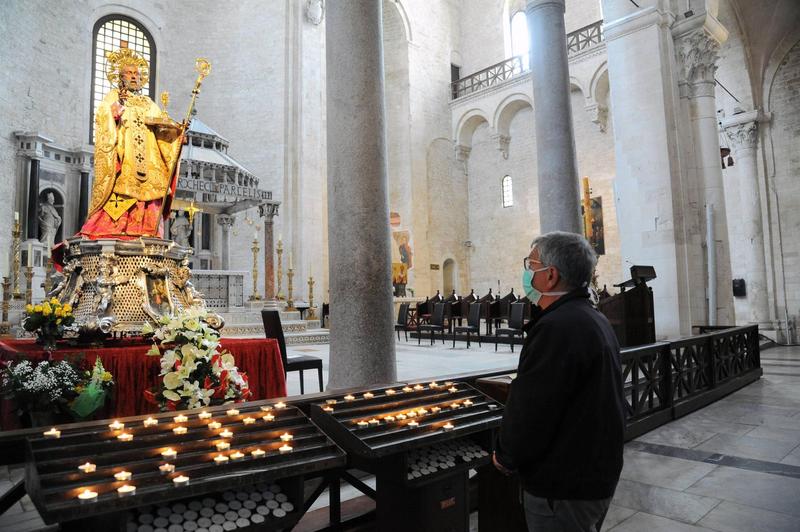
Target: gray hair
{"points": [[569, 253]]}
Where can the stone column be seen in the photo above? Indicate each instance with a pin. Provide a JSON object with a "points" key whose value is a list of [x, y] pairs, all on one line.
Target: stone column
{"points": [[742, 130], [268, 211], [362, 342], [698, 54], [225, 222], [32, 220], [83, 201], [559, 206]]}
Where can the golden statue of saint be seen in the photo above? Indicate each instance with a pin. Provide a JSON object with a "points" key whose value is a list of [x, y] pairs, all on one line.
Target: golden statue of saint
{"points": [[136, 147]]}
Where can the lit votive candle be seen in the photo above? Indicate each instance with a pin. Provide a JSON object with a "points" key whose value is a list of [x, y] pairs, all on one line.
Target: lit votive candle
{"points": [[125, 436], [268, 417], [408, 389], [452, 389], [126, 489], [349, 397], [53, 433], [88, 467], [236, 455], [411, 414], [232, 412], [435, 409], [149, 422], [116, 425], [374, 421], [257, 453], [448, 383], [448, 426], [266, 408], [249, 420], [226, 434], [389, 418], [285, 448], [390, 391], [180, 418], [180, 430], [87, 495], [401, 416], [169, 453], [363, 423], [286, 436], [123, 475], [419, 387], [280, 405], [223, 445], [368, 395], [220, 459], [166, 468], [204, 415], [331, 401], [327, 408], [454, 405], [467, 402], [181, 480], [422, 412], [413, 423], [214, 425]]}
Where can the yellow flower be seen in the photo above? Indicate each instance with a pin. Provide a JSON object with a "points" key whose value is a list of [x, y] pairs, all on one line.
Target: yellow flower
{"points": [[107, 376], [37, 308], [29, 308], [67, 307], [46, 310], [54, 301], [58, 321], [57, 312]]}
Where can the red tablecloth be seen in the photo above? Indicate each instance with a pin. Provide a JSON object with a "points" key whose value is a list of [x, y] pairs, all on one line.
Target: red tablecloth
{"points": [[134, 372]]}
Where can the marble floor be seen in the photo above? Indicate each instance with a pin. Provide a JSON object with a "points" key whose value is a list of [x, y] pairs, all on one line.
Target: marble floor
{"points": [[732, 466]]}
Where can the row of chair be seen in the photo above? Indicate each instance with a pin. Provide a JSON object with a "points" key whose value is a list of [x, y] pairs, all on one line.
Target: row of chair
{"points": [[436, 324]]}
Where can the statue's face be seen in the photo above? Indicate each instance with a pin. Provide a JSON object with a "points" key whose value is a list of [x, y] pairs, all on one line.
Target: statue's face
{"points": [[50, 198], [131, 78]]}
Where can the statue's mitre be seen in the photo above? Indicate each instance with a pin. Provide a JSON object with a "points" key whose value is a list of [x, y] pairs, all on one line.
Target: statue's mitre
{"points": [[125, 56]]}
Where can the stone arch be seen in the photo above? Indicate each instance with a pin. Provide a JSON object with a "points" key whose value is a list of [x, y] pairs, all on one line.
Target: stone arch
{"points": [[467, 125], [599, 85], [449, 276], [403, 17], [575, 83], [507, 109]]}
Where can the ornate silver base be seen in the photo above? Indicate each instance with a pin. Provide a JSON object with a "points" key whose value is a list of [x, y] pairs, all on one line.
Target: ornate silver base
{"points": [[117, 285]]}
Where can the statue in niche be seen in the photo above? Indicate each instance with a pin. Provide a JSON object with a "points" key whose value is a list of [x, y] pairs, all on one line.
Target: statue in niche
{"points": [[180, 230], [49, 221]]}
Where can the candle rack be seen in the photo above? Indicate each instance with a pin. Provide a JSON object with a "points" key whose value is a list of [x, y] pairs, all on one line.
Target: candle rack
{"points": [[54, 481]]}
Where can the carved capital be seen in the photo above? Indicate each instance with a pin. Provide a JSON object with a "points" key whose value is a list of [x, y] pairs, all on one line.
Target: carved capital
{"points": [[226, 221], [503, 142], [462, 152], [269, 209], [599, 115], [743, 136], [698, 53]]}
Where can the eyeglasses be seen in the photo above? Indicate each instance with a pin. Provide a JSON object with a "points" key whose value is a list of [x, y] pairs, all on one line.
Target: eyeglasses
{"points": [[526, 263]]}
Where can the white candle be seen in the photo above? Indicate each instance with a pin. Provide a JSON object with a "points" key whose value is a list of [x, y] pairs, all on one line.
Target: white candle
{"points": [[452, 389], [280, 405], [88, 467], [266, 408], [223, 445], [125, 436], [422, 412], [368, 395], [214, 425], [285, 448], [52, 433], [204, 415], [349, 397], [126, 489], [166, 468], [412, 423], [116, 425], [236, 455], [419, 387], [180, 418], [181, 480], [16, 216], [249, 420], [180, 430], [232, 412], [408, 389], [467, 402], [123, 475], [169, 453], [286, 436], [331, 401], [411, 414], [435, 409], [149, 422], [374, 421], [363, 424], [401, 416], [258, 453], [87, 495], [448, 383], [434, 384], [30, 254], [269, 417], [448, 426], [454, 406], [220, 459], [226, 434], [390, 392], [389, 418], [327, 408]]}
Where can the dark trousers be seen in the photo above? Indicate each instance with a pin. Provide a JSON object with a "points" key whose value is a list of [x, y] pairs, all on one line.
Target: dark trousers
{"points": [[554, 515]]}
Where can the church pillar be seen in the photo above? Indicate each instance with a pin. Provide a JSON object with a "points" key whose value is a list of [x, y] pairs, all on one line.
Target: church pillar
{"points": [[559, 207], [742, 130], [33, 202], [698, 52], [268, 211], [83, 200], [362, 342], [225, 222]]}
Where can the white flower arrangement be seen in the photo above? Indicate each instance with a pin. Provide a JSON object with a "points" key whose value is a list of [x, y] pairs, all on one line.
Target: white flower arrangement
{"points": [[193, 370], [43, 386]]}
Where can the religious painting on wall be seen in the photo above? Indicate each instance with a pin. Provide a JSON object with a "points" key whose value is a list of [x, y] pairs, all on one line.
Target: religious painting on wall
{"points": [[596, 238], [403, 256], [399, 279]]}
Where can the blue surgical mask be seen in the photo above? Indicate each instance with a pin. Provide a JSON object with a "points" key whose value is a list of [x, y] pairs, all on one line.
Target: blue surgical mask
{"points": [[531, 292]]}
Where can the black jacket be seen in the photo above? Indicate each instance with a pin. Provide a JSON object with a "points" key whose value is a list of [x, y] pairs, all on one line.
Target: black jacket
{"points": [[564, 420]]}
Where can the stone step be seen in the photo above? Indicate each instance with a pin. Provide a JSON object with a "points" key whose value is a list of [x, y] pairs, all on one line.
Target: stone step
{"points": [[254, 316], [257, 328], [313, 336]]}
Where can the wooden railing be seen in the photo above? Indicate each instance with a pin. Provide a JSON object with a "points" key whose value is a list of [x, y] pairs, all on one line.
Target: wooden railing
{"points": [[578, 40]]}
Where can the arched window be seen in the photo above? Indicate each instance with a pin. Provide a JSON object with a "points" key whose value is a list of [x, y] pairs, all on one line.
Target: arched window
{"points": [[520, 43], [112, 33], [508, 193]]}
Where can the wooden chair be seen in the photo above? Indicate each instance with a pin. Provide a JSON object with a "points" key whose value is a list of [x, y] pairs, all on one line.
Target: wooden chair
{"points": [[436, 323], [515, 323], [402, 321], [274, 329], [473, 324]]}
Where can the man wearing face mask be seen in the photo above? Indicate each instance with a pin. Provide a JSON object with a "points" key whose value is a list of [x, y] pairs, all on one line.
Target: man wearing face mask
{"points": [[564, 421]]}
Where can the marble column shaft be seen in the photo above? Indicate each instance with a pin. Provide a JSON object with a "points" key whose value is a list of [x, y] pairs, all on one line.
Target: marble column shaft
{"points": [[362, 348], [742, 131], [32, 219], [225, 222], [269, 258], [559, 206]]}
